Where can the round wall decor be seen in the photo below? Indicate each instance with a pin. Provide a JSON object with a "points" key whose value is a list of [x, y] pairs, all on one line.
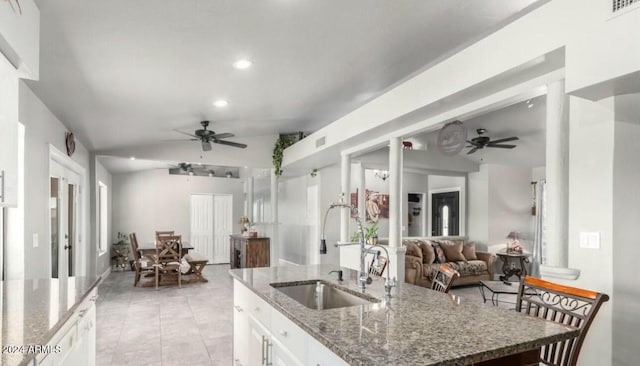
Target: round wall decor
{"points": [[70, 142], [452, 138]]}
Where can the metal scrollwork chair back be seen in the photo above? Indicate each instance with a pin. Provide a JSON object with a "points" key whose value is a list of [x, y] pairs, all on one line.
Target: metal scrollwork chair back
{"points": [[444, 278], [561, 304]]}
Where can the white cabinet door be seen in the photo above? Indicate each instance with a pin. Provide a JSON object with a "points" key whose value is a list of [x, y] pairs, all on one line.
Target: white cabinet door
{"points": [[320, 355], [240, 336], [280, 356], [258, 351], [8, 134]]}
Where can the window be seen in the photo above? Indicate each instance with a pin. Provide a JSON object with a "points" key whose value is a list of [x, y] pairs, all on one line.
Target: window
{"points": [[445, 220], [102, 218]]}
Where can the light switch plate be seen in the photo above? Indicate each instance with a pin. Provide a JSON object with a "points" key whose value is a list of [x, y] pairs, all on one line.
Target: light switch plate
{"points": [[590, 240], [34, 240]]}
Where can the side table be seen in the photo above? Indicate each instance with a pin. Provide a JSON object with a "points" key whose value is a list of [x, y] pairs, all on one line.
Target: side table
{"points": [[509, 267]]}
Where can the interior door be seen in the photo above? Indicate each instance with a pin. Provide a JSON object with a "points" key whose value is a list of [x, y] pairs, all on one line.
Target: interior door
{"points": [[63, 211], [222, 226], [444, 208], [202, 224]]}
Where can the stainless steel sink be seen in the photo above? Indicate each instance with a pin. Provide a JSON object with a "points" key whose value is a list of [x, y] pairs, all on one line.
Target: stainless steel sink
{"points": [[329, 297]]}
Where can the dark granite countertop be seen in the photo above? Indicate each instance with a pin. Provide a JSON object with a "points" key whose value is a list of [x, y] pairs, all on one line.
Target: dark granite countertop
{"points": [[417, 326], [34, 310]]}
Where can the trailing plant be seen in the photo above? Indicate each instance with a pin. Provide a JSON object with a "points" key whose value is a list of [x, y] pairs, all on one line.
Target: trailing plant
{"points": [[283, 142], [369, 232], [314, 172]]}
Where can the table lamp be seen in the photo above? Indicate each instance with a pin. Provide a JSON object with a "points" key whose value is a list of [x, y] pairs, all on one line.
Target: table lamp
{"points": [[514, 241]]}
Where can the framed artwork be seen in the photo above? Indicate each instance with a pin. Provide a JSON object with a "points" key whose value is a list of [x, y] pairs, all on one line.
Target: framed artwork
{"points": [[377, 205], [354, 204]]}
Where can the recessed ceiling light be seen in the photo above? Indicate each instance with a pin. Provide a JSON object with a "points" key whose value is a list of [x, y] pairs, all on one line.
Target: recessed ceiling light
{"points": [[132, 158], [242, 64], [220, 103], [530, 105]]}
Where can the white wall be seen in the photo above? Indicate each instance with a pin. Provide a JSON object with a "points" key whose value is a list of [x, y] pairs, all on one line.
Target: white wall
{"points": [[146, 201], [101, 175], [626, 242], [538, 173], [41, 129], [591, 210], [415, 183], [478, 206], [499, 202], [293, 228]]}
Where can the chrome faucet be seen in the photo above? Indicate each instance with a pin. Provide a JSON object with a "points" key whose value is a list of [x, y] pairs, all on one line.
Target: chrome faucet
{"points": [[363, 278]]}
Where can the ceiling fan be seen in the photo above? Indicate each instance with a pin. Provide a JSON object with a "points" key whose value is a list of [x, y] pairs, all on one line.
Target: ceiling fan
{"points": [[481, 142], [206, 137]]}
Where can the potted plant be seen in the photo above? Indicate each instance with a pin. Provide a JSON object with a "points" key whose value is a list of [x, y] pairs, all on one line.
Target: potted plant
{"points": [[370, 235]]}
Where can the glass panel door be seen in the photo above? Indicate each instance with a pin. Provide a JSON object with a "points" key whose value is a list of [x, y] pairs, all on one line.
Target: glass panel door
{"points": [[55, 225]]}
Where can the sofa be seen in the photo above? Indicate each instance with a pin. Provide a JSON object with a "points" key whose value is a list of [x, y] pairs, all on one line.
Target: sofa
{"points": [[424, 255]]}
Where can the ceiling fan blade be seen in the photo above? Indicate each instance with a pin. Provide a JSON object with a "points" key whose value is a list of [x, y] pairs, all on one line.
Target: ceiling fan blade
{"points": [[503, 146], [186, 133], [174, 140], [222, 135], [503, 140], [206, 146], [229, 143], [473, 143], [473, 150]]}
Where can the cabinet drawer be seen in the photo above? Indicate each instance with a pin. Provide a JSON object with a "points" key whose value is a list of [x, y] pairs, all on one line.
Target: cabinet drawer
{"points": [[241, 296], [260, 310], [292, 337]]}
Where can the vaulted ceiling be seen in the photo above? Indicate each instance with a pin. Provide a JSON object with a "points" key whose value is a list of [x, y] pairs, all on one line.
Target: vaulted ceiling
{"points": [[124, 73]]}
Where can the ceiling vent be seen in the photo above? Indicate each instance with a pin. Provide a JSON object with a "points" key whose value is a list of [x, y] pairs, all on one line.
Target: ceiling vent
{"points": [[619, 5], [320, 142]]}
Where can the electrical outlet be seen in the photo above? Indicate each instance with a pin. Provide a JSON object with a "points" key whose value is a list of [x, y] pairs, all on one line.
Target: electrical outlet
{"points": [[34, 240]]}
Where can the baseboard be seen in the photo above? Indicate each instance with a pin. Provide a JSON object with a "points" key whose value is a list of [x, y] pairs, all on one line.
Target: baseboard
{"points": [[105, 274]]}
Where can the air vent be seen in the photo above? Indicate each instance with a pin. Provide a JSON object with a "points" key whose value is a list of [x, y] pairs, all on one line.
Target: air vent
{"points": [[619, 5], [320, 142]]}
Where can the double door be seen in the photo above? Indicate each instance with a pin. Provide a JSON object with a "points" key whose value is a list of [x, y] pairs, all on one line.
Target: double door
{"points": [[211, 225], [64, 216]]}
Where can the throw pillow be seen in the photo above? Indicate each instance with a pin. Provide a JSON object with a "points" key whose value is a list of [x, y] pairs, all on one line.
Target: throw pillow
{"points": [[428, 255], [452, 250], [469, 251], [412, 249], [439, 254]]}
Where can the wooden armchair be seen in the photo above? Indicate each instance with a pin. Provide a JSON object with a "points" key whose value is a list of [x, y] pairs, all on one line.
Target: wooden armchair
{"points": [[561, 304], [139, 265], [444, 278], [168, 257]]}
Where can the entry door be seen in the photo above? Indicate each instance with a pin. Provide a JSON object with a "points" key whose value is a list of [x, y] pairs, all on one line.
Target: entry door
{"points": [[222, 227], [63, 205], [211, 225], [444, 213]]}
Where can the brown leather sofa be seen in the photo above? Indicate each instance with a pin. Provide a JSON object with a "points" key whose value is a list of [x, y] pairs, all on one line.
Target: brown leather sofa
{"points": [[421, 266]]}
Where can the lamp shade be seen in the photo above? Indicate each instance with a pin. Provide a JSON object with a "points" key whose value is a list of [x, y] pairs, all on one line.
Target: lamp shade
{"points": [[514, 235]]}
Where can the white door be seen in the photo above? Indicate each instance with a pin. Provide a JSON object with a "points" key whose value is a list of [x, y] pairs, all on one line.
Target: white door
{"points": [[63, 204], [222, 227], [202, 224]]}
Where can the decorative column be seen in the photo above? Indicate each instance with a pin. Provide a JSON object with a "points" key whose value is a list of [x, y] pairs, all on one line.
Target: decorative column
{"points": [[275, 242], [345, 184], [249, 198], [396, 251], [557, 175]]}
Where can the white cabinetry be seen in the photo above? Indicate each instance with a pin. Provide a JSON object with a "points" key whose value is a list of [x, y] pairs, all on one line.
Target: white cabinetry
{"points": [[8, 133], [263, 336], [76, 339]]}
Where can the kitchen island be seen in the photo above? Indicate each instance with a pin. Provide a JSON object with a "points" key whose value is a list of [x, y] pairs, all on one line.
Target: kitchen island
{"points": [[417, 326], [48, 321]]}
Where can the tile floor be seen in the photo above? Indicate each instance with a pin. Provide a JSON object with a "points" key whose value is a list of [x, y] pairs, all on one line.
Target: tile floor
{"points": [[188, 326], [172, 326]]}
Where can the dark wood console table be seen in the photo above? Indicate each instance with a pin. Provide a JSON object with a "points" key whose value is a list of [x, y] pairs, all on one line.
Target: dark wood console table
{"points": [[249, 252], [509, 267]]}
